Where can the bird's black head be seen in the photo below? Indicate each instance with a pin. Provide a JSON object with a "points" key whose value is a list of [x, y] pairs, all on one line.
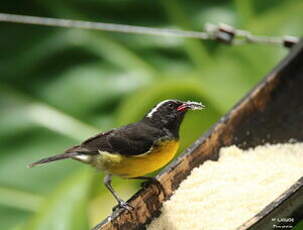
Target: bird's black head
{"points": [[170, 113]]}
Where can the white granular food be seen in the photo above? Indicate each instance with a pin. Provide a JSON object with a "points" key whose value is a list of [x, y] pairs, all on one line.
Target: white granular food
{"points": [[224, 194]]}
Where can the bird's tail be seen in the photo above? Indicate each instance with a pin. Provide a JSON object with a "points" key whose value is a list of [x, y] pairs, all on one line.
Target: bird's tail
{"points": [[53, 158]]}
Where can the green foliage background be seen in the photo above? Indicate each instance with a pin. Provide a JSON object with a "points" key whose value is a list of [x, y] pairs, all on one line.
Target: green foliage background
{"points": [[59, 86]]}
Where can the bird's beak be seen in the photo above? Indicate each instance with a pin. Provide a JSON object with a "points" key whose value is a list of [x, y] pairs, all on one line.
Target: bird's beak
{"points": [[191, 105]]}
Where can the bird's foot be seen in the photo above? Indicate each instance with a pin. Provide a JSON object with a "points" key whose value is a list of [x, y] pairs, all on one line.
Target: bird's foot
{"points": [[123, 205]]}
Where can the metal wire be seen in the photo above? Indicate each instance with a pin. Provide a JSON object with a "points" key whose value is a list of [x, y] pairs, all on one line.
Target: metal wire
{"points": [[222, 33], [100, 26]]}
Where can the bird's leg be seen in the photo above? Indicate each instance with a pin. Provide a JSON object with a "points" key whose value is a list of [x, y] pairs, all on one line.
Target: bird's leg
{"points": [[150, 180], [121, 203]]}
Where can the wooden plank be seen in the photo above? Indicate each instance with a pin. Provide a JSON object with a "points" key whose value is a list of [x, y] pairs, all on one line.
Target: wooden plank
{"points": [[271, 113]]}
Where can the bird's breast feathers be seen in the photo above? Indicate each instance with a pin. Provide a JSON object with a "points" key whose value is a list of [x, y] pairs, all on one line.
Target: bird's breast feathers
{"points": [[128, 166]]}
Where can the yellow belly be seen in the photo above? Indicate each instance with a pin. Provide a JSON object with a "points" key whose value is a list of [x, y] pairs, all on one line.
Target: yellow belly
{"points": [[134, 166]]}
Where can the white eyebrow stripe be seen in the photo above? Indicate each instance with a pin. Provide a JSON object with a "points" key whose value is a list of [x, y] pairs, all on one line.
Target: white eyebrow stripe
{"points": [[150, 114]]}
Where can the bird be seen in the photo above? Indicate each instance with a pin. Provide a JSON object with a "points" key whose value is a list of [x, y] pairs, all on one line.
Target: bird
{"points": [[133, 150]]}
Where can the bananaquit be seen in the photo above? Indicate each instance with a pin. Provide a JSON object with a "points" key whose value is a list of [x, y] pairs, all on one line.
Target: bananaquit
{"points": [[133, 150]]}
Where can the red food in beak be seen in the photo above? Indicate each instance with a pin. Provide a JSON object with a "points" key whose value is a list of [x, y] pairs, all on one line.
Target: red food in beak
{"points": [[182, 107]]}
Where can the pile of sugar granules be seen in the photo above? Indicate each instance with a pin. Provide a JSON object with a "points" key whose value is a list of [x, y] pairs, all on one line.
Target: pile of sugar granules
{"points": [[224, 194]]}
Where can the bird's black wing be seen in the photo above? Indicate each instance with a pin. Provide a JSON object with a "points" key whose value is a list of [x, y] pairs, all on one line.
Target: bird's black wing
{"points": [[98, 142], [133, 139]]}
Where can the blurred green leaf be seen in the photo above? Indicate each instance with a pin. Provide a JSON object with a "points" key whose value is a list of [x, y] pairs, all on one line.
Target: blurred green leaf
{"points": [[13, 218], [298, 225], [193, 47], [67, 207], [245, 10], [105, 87], [34, 56], [19, 199], [46, 116]]}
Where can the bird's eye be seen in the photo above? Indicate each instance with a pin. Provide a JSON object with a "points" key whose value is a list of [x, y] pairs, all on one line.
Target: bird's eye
{"points": [[171, 105]]}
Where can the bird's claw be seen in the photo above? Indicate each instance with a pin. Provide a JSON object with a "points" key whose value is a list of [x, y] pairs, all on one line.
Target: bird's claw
{"points": [[123, 205]]}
